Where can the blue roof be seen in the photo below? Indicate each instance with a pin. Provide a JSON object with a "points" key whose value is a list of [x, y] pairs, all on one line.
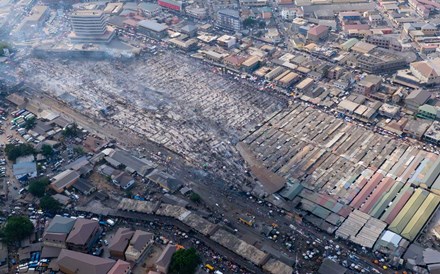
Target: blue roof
{"points": [[22, 169]]}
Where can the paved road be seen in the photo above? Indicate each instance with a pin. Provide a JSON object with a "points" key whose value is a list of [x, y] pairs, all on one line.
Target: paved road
{"points": [[138, 217]]}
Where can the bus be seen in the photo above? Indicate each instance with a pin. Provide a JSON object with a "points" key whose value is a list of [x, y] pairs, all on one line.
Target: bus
{"points": [[209, 267]]}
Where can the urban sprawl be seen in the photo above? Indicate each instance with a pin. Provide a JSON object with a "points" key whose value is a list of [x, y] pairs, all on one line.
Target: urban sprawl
{"points": [[220, 136]]}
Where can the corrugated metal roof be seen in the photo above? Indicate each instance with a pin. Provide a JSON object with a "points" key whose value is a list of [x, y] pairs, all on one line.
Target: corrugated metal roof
{"points": [[381, 190], [421, 216], [381, 205], [432, 174], [397, 205], [363, 194], [408, 211], [436, 186]]}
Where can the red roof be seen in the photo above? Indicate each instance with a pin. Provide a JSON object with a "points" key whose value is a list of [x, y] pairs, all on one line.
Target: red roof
{"points": [[318, 30], [366, 191], [381, 189]]}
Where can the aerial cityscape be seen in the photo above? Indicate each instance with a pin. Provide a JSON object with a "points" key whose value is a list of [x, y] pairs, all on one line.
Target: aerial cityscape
{"points": [[220, 136]]}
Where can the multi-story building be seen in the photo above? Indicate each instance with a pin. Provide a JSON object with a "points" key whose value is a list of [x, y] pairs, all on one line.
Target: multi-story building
{"points": [[318, 33], [380, 60], [90, 26], [428, 72], [229, 19], [416, 99], [368, 85], [253, 3], [432, 135], [83, 235], [429, 112], [152, 28]]}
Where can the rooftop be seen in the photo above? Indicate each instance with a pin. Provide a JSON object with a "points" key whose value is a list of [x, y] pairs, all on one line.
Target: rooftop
{"points": [[81, 231], [76, 262], [164, 259], [60, 224], [120, 240], [153, 25]]}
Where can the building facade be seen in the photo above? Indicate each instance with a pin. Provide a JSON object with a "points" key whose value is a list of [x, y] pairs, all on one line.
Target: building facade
{"points": [[229, 19], [90, 26]]}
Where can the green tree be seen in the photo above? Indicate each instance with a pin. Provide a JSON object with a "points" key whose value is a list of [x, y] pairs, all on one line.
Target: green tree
{"points": [[79, 150], [18, 228], [15, 151], [71, 130], [47, 150], [195, 197], [249, 22], [49, 204], [30, 123], [38, 187], [184, 261]]}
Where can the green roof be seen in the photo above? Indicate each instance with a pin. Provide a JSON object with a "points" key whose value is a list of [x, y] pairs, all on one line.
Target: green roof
{"points": [[349, 43], [408, 211], [382, 204], [421, 217], [321, 212], [402, 192], [428, 108], [431, 175]]}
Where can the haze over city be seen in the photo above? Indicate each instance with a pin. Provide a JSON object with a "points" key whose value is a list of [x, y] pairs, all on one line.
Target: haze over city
{"points": [[219, 136]]}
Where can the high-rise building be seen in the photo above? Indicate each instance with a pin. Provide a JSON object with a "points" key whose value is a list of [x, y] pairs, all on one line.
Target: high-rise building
{"points": [[90, 26], [229, 19]]}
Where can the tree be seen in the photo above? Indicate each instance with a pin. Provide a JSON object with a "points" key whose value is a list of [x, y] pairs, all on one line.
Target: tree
{"points": [[18, 228], [49, 204], [47, 150], [195, 198], [30, 123], [15, 151], [78, 150], [38, 187], [184, 261], [249, 22], [71, 130]]}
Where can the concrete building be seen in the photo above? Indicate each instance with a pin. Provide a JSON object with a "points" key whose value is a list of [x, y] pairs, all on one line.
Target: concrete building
{"points": [[90, 26], [380, 60], [35, 19], [429, 112], [428, 72], [318, 33], [416, 99], [253, 3], [83, 235], [152, 29], [57, 231], [368, 85], [416, 128], [229, 19], [119, 242], [71, 262], [164, 260], [227, 41], [149, 9], [432, 135], [139, 245]]}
